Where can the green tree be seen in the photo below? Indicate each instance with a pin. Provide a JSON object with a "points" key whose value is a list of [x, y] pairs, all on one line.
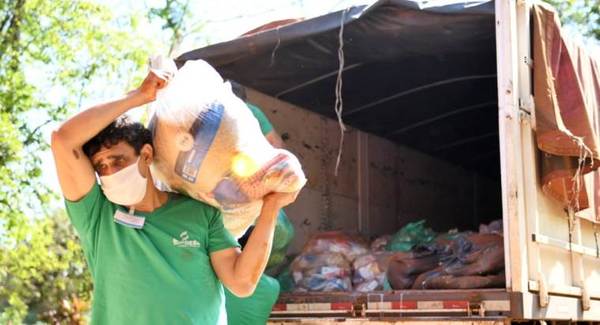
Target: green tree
{"points": [[582, 14], [48, 274], [175, 16], [51, 54]]}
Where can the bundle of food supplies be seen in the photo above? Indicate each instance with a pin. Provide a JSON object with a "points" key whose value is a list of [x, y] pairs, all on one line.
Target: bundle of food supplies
{"points": [[335, 261], [411, 234], [414, 258], [208, 145], [325, 263], [457, 261], [369, 271]]}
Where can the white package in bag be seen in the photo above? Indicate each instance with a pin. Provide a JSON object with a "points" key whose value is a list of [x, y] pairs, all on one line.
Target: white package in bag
{"points": [[209, 146]]}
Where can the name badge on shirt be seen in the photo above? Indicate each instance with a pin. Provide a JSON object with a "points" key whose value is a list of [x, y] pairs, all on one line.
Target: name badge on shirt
{"points": [[129, 220]]}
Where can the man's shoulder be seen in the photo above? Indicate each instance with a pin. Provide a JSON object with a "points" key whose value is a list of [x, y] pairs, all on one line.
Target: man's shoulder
{"points": [[187, 202]]}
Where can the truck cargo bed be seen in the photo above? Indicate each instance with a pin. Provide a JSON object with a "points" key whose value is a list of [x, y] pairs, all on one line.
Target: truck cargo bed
{"points": [[478, 303], [442, 125]]}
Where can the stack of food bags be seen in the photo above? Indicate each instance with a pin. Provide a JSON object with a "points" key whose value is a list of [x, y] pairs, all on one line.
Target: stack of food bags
{"points": [[325, 263]]}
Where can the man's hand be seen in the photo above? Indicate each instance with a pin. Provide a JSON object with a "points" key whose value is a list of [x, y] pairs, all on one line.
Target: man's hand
{"points": [[278, 200], [146, 92], [240, 273]]}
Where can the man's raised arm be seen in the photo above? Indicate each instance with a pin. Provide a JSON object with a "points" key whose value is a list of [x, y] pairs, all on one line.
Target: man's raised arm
{"points": [[74, 169]]}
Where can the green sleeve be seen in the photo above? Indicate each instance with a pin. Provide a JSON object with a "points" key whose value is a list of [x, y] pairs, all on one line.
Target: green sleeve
{"points": [[85, 215], [218, 237], [263, 121]]}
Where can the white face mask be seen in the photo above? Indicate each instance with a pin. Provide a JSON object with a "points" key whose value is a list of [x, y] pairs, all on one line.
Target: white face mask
{"points": [[125, 187]]}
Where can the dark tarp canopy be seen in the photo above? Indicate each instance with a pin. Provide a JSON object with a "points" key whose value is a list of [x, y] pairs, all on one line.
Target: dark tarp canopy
{"points": [[419, 75]]}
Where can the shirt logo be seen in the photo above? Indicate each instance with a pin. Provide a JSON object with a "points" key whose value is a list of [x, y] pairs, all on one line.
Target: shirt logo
{"points": [[184, 241]]}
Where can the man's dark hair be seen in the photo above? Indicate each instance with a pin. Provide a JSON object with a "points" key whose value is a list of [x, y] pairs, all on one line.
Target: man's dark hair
{"points": [[122, 129]]}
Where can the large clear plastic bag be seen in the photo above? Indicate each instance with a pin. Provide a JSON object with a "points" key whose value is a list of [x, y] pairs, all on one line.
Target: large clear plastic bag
{"points": [[369, 271], [325, 271], [325, 263], [336, 242], [209, 146]]}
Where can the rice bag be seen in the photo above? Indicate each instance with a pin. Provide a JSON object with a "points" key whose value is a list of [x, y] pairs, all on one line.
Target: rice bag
{"points": [[209, 146]]}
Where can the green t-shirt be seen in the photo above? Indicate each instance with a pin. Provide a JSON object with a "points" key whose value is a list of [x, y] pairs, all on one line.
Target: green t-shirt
{"points": [[263, 121], [160, 274]]}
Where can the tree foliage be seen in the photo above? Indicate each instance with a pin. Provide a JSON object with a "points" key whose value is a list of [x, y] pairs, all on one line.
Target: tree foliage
{"points": [[47, 276], [175, 19], [581, 14], [51, 52]]}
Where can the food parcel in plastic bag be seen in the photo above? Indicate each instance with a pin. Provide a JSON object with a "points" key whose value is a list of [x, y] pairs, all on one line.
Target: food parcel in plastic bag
{"points": [[322, 272], [325, 263], [369, 271], [209, 146], [350, 246]]}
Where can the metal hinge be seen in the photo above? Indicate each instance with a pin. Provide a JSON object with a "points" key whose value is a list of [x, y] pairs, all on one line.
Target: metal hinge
{"points": [[359, 310], [476, 309], [585, 298], [543, 290], [528, 61], [527, 110], [526, 104], [359, 307]]}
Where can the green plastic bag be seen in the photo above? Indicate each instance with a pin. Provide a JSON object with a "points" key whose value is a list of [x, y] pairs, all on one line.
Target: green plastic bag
{"points": [[284, 232], [253, 310], [411, 234], [283, 236], [276, 258], [286, 281], [386, 285]]}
